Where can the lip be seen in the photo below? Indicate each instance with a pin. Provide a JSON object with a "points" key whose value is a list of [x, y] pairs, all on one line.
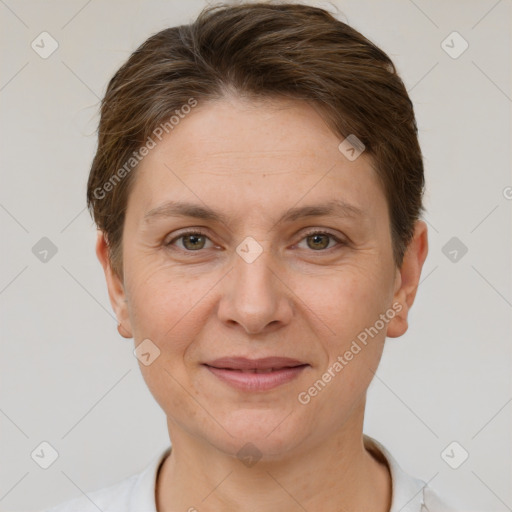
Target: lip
{"points": [[239, 372], [243, 363]]}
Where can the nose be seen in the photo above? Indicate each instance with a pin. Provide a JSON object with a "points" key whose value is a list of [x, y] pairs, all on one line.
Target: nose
{"points": [[255, 295]]}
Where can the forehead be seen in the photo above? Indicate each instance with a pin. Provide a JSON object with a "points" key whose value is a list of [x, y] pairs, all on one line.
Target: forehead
{"points": [[269, 128], [264, 154]]}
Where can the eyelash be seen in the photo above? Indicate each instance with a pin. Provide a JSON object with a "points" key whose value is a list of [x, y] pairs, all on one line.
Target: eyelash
{"points": [[306, 235]]}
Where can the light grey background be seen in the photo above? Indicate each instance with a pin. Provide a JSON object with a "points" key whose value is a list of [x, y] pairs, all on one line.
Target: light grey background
{"points": [[68, 378]]}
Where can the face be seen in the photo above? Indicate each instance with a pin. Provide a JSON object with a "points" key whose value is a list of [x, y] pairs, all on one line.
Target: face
{"points": [[249, 234]]}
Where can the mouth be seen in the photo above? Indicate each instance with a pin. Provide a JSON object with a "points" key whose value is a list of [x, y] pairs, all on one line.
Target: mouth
{"points": [[257, 374], [256, 370]]}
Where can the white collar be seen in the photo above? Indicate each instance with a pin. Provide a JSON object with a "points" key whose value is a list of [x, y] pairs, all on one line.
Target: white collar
{"points": [[407, 491]]}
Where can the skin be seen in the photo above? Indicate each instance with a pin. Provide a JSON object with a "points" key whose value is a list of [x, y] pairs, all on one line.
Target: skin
{"points": [[303, 297]]}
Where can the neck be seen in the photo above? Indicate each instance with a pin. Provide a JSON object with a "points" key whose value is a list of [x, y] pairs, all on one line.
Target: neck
{"points": [[336, 473]]}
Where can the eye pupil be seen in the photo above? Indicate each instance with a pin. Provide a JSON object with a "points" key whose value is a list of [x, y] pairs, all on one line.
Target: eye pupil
{"points": [[319, 236], [193, 239]]}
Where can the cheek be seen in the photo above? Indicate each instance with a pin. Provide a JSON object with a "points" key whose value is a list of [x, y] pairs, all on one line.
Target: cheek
{"points": [[349, 300], [350, 303], [166, 308], [171, 309], [347, 306], [164, 305]]}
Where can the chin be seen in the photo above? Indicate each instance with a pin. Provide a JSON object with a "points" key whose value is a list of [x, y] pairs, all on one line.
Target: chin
{"points": [[271, 433]]}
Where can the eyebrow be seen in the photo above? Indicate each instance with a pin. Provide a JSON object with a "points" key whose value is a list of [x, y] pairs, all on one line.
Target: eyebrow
{"points": [[335, 207]]}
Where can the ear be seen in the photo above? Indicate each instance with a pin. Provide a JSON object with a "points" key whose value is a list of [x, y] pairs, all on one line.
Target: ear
{"points": [[407, 279], [115, 287]]}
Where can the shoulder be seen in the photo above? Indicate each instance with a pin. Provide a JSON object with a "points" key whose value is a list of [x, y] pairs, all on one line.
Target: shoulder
{"points": [[135, 493], [113, 498], [409, 494]]}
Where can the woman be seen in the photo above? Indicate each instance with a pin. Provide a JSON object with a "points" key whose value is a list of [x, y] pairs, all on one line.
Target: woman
{"points": [[257, 189]]}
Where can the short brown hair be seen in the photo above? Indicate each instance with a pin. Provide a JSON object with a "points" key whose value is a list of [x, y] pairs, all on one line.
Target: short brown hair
{"points": [[260, 51]]}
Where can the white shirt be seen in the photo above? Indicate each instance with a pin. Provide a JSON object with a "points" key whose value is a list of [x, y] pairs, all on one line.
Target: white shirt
{"points": [[137, 493]]}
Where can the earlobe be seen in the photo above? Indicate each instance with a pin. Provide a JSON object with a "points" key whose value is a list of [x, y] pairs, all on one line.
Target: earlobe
{"points": [[115, 287], [123, 332], [407, 280]]}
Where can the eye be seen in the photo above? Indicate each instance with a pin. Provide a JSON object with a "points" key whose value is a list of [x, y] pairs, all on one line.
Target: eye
{"points": [[194, 241], [320, 240], [191, 240]]}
